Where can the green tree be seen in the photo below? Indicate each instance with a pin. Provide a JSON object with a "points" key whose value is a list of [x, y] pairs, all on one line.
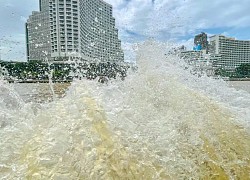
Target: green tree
{"points": [[243, 71], [222, 72]]}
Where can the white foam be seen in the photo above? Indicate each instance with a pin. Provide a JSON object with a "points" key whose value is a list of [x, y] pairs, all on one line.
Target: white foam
{"points": [[155, 123]]}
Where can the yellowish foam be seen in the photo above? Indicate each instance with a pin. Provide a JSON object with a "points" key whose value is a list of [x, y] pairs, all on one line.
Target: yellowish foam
{"points": [[225, 155], [117, 162]]}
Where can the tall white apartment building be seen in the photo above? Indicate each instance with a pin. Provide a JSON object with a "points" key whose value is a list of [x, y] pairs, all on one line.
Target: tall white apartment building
{"points": [[37, 33], [74, 28], [229, 53]]}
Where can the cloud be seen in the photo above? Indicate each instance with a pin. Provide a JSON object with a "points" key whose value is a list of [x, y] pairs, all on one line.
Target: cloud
{"points": [[180, 20], [164, 20], [177, 18]]}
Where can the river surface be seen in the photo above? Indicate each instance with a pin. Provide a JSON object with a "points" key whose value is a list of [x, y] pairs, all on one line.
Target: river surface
{"points": [[42, 92], [162, 122], [240, 85]]}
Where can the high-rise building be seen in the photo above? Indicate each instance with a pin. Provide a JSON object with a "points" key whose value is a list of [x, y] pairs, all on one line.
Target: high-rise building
{"points": [[73, 28], [200, 41], [38, 34], [229, 53]]}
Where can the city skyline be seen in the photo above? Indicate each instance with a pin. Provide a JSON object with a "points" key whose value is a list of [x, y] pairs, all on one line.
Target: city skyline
{"points": [[138, 19], [72, 28], [220, 52]]}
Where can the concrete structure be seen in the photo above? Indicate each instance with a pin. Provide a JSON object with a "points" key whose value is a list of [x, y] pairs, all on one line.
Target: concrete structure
{"points": [[73, 28], [201, 40], [38, 33], [221, 52], [229, 53]]}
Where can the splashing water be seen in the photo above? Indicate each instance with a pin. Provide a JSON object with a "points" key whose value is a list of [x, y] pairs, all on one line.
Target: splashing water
{"points": [[160, 123]]}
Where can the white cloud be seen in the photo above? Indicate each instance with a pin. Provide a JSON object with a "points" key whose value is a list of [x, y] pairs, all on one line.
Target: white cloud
{"points": [[179, 17], [164, 19], [169, 20]]}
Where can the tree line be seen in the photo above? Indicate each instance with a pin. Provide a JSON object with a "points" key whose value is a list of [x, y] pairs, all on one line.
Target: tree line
{"points": [[243, 71], [37, 70]]}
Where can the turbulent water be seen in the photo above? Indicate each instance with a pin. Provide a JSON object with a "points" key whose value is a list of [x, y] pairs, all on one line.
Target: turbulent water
{"points": [[162, 122], [240, 85]]}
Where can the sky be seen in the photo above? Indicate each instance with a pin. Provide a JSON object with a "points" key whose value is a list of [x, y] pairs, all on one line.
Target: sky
{"points": [[137, 20]]}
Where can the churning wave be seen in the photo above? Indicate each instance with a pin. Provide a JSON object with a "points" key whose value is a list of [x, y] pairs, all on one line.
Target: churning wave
{"points": [[162, 122]]}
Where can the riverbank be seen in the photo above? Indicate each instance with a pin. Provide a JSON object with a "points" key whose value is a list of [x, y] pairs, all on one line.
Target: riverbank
{"points": [[70, 80], [239, 79], [39, 81]]}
